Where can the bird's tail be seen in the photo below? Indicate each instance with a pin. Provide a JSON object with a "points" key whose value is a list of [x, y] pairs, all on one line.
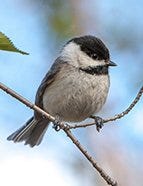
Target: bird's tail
{"points": [[32, 132]]}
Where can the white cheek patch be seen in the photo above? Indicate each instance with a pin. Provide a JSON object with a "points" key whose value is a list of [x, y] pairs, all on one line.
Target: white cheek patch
{"points": [[73, 54], [85, 60], [70, 53]]}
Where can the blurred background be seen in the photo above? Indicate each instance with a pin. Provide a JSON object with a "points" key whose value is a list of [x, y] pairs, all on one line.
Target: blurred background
{"points": [[41, 27]]}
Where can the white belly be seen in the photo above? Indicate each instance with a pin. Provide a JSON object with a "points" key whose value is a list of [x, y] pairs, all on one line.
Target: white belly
{"points": [[76, 96]]}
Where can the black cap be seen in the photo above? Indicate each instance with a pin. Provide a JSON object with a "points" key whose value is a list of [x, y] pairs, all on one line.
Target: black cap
{"points": [[92, 46]]}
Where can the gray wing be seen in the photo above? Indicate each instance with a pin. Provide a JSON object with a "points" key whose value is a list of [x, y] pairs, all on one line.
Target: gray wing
{"points": [[48, 79]]}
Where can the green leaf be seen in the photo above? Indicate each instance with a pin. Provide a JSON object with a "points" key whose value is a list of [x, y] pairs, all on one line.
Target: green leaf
{"points": [[6, 44]]}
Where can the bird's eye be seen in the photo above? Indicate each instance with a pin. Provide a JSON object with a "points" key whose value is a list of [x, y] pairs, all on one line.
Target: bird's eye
{"points": [[94, 56]]}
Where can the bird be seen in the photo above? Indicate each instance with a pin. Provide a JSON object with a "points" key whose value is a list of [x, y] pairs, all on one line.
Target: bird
{"points": [[74, 89]]}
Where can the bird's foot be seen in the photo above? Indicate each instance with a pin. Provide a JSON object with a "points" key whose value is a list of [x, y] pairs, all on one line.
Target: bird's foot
{"points": [[56, 125], [98, 121]]}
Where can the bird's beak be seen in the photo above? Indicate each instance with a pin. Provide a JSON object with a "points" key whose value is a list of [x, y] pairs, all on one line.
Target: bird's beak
{"points": [[111, 63]]}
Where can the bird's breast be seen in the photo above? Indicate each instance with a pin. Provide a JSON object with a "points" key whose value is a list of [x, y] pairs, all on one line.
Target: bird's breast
{"points": [[75, 95]]}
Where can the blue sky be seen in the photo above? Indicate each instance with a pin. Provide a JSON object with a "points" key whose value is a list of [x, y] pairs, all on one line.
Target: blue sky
{"points": [[24, 73]]}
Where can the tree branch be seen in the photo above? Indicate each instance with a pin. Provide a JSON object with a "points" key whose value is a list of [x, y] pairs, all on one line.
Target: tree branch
{"points": [[107, 178], [117, 116], [66, 128]]}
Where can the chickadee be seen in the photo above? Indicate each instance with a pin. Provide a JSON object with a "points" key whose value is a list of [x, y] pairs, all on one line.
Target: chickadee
{"points": [[74, 89]]}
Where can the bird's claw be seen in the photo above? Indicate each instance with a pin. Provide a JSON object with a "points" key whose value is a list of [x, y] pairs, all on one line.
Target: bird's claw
{"points": [[56, 125], [98, 121]]}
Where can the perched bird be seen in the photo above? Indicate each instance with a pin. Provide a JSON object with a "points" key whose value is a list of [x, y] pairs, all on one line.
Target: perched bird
{"points": [[75, 88]]}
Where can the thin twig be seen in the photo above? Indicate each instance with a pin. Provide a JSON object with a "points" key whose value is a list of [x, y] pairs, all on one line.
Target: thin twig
{"points": [[108, 179], [65, 128], [117, 116], [26, 102]]}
